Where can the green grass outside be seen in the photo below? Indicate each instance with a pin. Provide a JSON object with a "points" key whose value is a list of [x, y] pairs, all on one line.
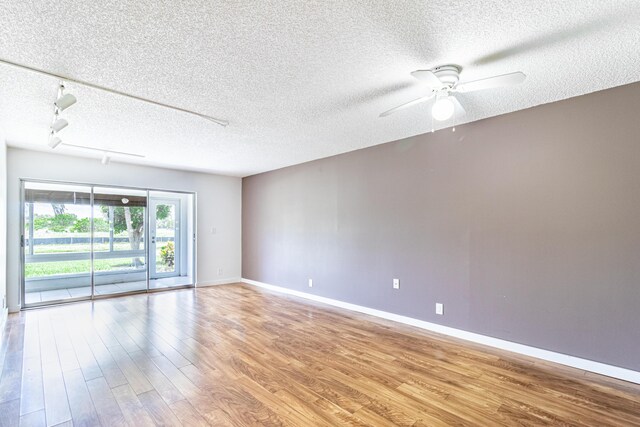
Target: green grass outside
{"points": [[43, 269], [43, 234], [81, 247], [161, 232]]}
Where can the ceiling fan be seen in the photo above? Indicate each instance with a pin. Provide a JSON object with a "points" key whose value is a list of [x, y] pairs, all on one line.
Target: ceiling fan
{"points": [[444, 83]]}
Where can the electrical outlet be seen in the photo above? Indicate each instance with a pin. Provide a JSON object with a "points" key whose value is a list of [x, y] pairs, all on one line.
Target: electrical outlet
{"points": [[310, 283], [396, 283], [214, 230], [219, 272], [439, 308]]}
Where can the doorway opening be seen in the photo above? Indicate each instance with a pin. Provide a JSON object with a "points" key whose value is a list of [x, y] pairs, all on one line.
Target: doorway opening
{"points": [[86, 241]]}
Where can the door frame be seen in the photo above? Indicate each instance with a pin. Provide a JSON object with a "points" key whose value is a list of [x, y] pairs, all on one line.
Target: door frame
{"points": [[94, 296]]}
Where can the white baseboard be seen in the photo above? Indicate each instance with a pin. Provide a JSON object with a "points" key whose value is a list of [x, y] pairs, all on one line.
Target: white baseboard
{"points": [[227, 281], [563, 359]]}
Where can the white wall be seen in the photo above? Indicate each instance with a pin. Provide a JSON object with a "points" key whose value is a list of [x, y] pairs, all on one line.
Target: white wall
{"points": [[219, 200], [3, 230]]}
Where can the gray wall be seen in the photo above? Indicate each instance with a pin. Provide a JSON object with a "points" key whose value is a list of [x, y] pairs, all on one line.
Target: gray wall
{"points": [[526, 226]]}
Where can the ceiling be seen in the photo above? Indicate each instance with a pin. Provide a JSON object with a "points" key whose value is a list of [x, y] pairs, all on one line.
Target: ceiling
{"points": [[297, 80]]}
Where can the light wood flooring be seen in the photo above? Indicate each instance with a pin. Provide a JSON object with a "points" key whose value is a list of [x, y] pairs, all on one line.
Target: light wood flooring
{"points": [[236, 355]]}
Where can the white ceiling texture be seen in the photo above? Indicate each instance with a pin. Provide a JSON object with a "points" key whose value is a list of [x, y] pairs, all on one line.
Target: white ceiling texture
{"points": [[297, 80]]}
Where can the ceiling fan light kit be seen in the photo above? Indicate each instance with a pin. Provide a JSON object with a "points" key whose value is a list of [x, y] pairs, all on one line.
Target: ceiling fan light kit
{"points": [[444, 83], [443, 109]]}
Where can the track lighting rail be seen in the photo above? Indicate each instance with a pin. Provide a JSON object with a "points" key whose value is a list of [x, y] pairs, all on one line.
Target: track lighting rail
{"points": [[103, 150], [215, 120]]}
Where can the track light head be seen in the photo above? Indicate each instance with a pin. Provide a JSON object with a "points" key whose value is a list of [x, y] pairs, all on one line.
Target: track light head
{"points": [[54, 141], [106, 159], [59, 124], [65, 101]]}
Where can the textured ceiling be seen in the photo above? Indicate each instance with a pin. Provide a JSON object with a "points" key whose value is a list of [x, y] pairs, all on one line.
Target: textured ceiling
{"points": [[297, 80]]}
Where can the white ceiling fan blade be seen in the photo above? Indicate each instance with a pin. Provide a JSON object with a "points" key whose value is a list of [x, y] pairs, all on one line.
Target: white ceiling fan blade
{"points": [[408, 104], [492, 82], [458, 108], [427, 76]]}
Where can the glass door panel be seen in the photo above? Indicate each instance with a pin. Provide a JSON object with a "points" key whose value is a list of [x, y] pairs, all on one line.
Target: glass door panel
{"points": [[165, 248], [119, 230], [57, 242], [170, 227]]}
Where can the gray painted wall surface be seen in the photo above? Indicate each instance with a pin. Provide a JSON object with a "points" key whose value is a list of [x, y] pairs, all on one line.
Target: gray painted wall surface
{"points": [[526, 226]]}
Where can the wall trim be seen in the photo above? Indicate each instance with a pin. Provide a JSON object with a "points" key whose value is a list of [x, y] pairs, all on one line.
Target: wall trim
{"points": [[551, 356], [227, 281]]}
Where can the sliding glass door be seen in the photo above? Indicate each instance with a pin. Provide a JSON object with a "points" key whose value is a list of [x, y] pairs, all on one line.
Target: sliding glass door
{"points": [[56, 242], [85, 241], [119, 257]]}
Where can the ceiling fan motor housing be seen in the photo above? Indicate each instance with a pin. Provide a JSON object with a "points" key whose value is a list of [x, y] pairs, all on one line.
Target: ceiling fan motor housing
{"points": [[449, 75]]}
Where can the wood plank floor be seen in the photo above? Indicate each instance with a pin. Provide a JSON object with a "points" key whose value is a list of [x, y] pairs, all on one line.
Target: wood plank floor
{"points": [[236, 355]]}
